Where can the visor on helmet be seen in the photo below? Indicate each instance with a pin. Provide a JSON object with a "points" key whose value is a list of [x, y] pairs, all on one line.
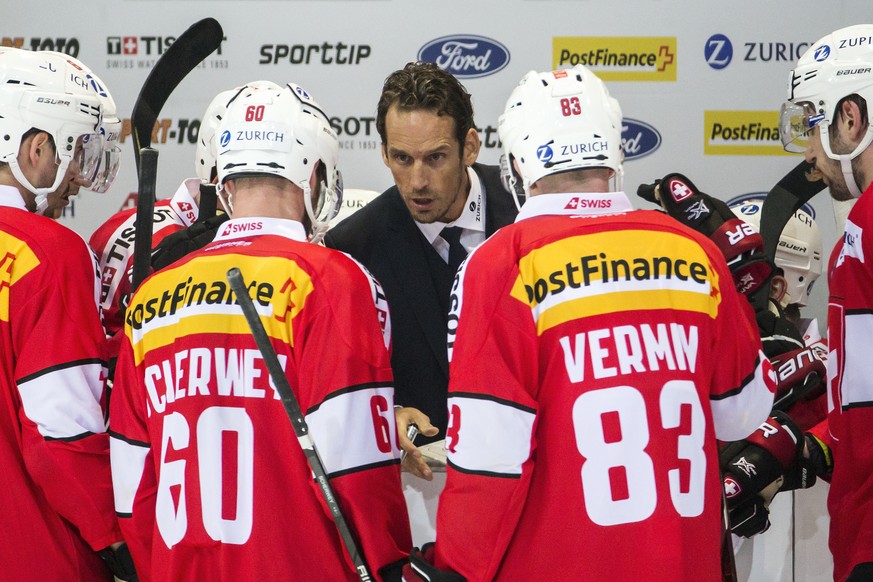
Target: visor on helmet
{"points": [[796, 121]]}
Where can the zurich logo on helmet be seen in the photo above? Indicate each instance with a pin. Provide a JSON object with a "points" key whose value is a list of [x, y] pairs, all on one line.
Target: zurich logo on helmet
{"points": [[638, 139], [225, 139], [545, 153], [822, 53], [466, 56], [302, 92], [718, 51]]}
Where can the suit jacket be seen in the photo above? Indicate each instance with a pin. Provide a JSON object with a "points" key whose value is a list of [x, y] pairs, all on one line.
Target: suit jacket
{"points": [[417, 283]]}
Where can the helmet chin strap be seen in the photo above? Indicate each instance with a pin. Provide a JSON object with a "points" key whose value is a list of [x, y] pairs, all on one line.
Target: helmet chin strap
{"points": [[846, 159], [41, 194], [320, 223]]}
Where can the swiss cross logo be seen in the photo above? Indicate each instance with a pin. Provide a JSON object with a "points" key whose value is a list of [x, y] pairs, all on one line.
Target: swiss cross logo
{"points": [[560, 74], [731, 487], [185, 206], [680, 190], [130, 45], [573, 204]]}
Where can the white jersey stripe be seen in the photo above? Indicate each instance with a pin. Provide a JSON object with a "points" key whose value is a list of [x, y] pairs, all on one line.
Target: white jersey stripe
{"points": [[65, 402], [734, 417], [128, 463], [856, 384], [345, 438], [497, 442]]}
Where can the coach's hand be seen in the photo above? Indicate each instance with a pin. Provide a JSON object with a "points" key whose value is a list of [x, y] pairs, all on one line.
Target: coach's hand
{"points": [[412, 461]]}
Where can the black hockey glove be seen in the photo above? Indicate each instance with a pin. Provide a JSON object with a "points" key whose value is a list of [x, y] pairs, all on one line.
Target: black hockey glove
{"points": [[816, 462], [753, 469], [739, 242], [175, 246], [120, 563], [421, 568]]}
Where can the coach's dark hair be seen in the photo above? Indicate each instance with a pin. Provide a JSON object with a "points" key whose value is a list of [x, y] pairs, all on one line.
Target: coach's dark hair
{"points": [[422, 85]]}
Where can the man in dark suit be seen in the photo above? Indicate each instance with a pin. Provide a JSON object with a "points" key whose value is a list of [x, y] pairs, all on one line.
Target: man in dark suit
{"points": [[430, 144]]}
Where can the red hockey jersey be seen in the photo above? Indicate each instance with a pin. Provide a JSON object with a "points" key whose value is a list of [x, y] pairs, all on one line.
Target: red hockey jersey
{"points": [[850, 391], [596, 355], [57, 508], [113, 243], [210, 482]]}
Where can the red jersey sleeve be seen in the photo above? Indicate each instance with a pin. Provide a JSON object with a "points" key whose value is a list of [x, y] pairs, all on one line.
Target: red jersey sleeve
{"points": [[56, 336]]}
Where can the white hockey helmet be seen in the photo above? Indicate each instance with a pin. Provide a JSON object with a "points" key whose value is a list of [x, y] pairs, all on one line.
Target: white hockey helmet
{"points": [[204, 157], [799, 253], [282, 132], [834, 67], [110, 130], [48, 92], [559, 121]]}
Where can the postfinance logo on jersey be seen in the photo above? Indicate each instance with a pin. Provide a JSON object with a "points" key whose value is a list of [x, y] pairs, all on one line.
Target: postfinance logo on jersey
{"points": [[618, 58], [742, 133], [16, 260], [188, 300], [610, 272]]}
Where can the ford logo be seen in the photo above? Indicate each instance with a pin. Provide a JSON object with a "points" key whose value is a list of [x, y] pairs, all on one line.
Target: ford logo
{"points": [[466, 57], [638, 139]]}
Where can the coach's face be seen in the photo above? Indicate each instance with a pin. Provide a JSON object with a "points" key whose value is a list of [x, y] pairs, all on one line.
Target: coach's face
{"points": [[428, 164]]}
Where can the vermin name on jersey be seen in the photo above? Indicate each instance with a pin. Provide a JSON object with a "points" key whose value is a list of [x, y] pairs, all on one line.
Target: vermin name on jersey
{"points": [[233, 373], [628, 349]]}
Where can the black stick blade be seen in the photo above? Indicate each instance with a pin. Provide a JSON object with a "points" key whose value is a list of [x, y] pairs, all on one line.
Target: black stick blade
{"points": [[183, 56]]}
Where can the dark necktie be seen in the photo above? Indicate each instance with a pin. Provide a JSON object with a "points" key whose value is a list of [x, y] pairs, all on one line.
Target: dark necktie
{"points": [[457, 252]]}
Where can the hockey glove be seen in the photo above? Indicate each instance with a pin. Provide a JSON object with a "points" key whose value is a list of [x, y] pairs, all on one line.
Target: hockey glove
{"points": [[120, 563], [753, 469], [815, 462], [800, 375], [421, 568], [739, 242]]}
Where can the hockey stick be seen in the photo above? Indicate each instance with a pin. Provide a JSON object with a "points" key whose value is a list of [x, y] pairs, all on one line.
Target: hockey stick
{"points": [[182, 57], [188, 51], [208, 202], [794, 190], [728, 562], [145, 206], [298, 422]]}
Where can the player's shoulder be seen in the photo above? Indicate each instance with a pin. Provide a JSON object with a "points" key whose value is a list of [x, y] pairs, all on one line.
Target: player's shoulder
{"points": [[113, 222], [51, 241]]}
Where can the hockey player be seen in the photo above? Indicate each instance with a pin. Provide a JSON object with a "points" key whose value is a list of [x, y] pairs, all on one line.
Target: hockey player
{"points": [[585, 393], [55, 451], [827, 118], [210, 481], [113, 241]]}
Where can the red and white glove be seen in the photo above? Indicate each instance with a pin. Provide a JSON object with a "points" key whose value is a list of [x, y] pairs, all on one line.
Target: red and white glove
{"points": [[739, 242]]}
